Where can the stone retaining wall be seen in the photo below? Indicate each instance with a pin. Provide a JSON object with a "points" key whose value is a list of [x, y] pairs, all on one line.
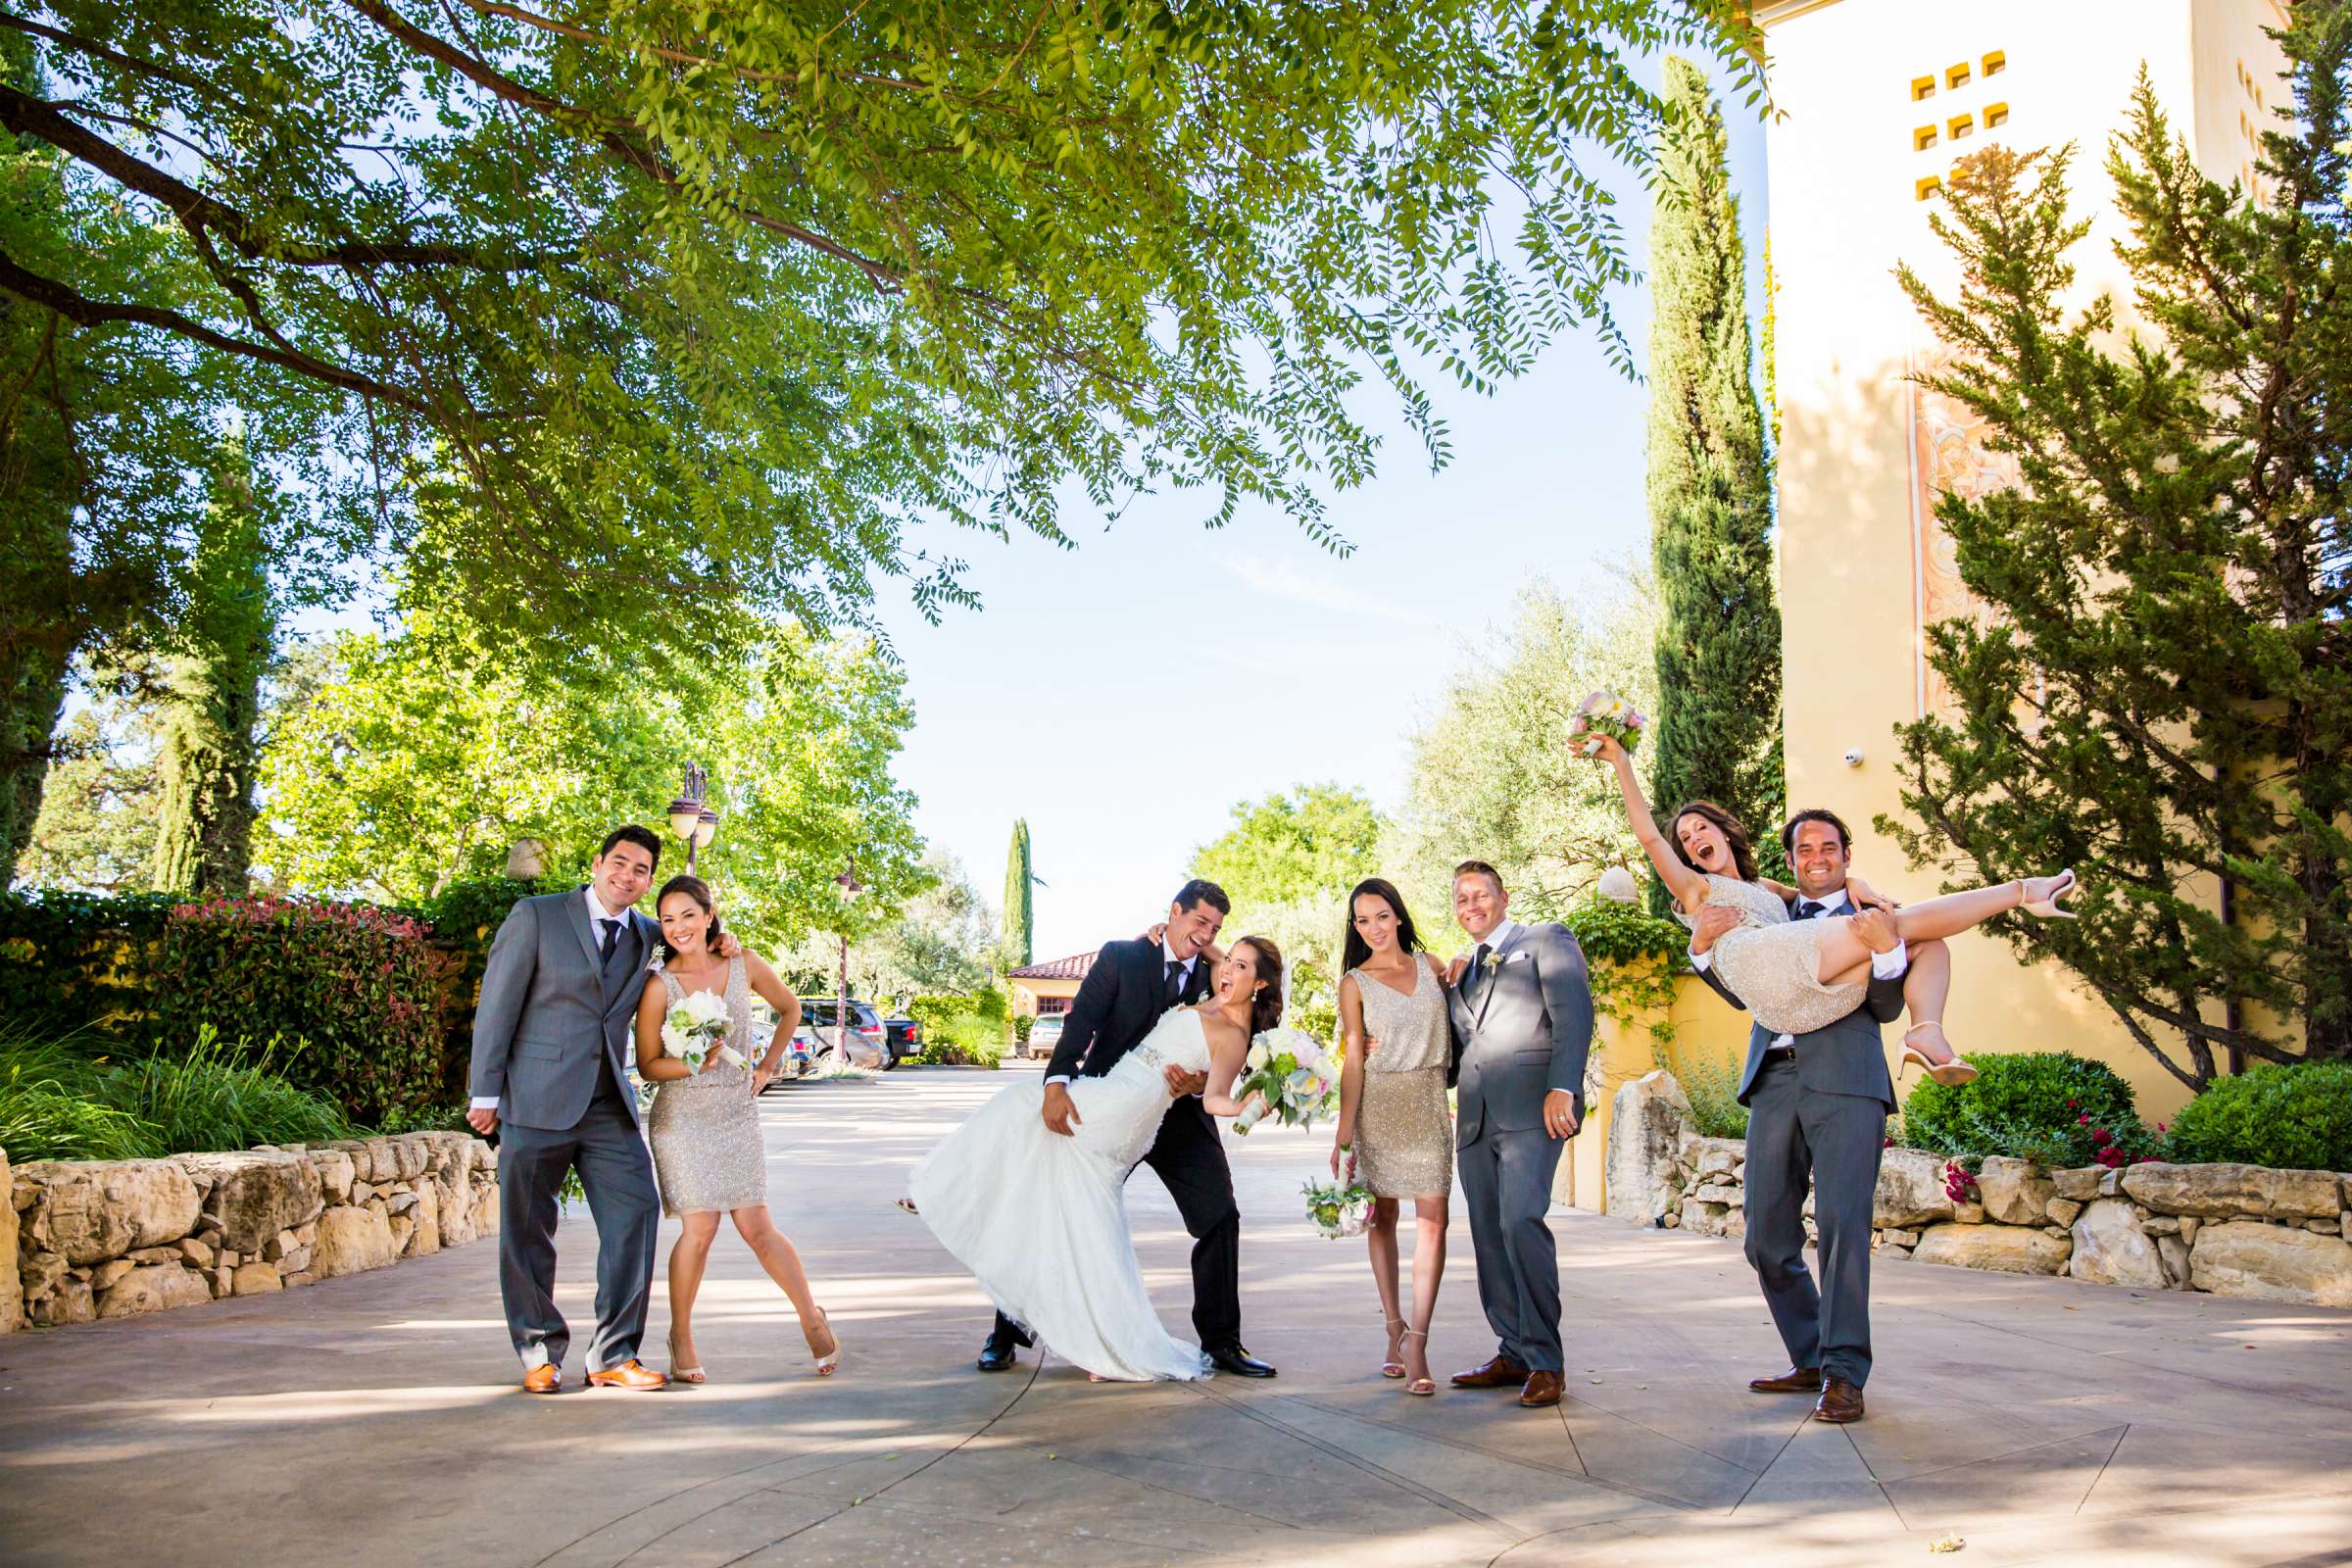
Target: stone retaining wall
{"points": [[81, 1240], [2233, 1230]]}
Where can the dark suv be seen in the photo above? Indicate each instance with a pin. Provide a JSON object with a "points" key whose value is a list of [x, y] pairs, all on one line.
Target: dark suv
{"points": [[871, 1043]]}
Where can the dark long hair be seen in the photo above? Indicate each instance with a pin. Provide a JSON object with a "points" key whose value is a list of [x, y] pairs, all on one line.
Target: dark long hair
{"points": [[695, 888], [1265, 1008], [1353, 948], [1744, 854]]}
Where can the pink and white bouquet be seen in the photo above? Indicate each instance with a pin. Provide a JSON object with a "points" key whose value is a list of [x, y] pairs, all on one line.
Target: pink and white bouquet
{"points": [[1287, 1076], [1606, 713], [1337, 1211]]}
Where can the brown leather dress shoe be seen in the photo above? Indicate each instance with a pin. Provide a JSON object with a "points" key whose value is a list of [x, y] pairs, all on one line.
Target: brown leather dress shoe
{"points": [[1501, 1373], [1840, 1400], [545, 1378], [1542, 1389], [631, 1374], [1797, 1380]]}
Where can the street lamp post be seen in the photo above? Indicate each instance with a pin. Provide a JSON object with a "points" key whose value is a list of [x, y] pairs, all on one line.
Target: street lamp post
{"points": [[850, 887], [690, 817]]}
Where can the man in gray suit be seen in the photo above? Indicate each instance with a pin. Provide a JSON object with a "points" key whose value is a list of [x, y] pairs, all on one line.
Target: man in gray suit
{"points": [[551, 1043], [1522, 1009], [1817, 1107]]}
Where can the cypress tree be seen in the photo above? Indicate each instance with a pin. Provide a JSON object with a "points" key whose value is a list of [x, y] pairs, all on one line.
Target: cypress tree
{"points": [[1020, 921], [1717, 733], [210, 750]]}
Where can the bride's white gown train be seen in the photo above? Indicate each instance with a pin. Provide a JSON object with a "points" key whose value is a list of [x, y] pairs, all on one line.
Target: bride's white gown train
{"points": [[1041, 1220]]}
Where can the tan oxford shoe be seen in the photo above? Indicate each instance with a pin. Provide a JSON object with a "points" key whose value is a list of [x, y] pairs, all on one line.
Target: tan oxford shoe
{"points": [[1542, 1391], [545, 1378], [631, 1374]]}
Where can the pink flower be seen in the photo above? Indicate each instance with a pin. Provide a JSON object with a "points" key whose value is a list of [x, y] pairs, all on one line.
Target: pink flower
{"points": [[2081, 1121]]}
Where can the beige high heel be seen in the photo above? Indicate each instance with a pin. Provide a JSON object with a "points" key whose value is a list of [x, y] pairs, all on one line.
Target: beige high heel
{"points": [[2048, 908], [1952, 1074], [682, 1374], [829, 1363], [1392, 1367], [1423, 1387]]}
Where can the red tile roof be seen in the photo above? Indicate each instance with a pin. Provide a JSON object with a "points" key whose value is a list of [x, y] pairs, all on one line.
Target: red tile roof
{"points": [[1057, 969]]}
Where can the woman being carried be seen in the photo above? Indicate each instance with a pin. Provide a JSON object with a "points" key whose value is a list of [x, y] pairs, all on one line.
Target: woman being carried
{"points": [[1799, 976]]}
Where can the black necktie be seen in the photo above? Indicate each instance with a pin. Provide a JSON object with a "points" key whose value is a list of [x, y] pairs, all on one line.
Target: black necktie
{"points": [[1478, 963], [1175, 979], [612, 941], [1806, 909]]}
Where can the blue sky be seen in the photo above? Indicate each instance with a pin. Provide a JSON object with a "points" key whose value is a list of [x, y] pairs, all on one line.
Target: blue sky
{"points": [[1123, 697]]}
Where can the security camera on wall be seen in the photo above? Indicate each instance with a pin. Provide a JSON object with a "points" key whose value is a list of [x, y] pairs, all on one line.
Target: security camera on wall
{"points": [[1853, 757]]}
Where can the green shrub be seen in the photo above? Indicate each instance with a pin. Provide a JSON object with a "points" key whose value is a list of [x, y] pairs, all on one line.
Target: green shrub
{"points": [[2296, 1117], [1622, 933], [1023, 1027], [464, 918], [67, 959], [71, 1097], [963, 1053], [215, 1096], [1318, 1019], [1712, 1084], [357, 983], [2050, 1106]]}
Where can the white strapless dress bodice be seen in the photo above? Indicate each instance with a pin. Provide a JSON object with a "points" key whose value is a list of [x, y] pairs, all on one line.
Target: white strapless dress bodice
{"points": [[1041, 1220]]}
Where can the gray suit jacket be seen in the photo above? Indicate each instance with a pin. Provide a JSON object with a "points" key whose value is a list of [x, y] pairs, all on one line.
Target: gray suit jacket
{"points": [[1846, 1058], [1522, 1033], [549, 1006]]}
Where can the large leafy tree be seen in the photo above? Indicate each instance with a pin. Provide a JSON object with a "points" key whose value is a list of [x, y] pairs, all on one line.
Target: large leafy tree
{"points": [[208, 759], [1718, 730], [627, 311], [417, 760], [99, 806], [2159, 690], [1287, 861], [1491, 777]]}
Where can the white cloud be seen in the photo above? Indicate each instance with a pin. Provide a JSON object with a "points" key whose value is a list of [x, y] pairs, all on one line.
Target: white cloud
{"points": [[1280, 579]]}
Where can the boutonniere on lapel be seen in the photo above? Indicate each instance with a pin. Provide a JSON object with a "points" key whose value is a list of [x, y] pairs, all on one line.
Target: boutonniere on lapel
{"points": [[1495, 962]]}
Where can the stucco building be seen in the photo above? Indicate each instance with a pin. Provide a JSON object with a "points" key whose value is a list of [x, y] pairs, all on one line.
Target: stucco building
{"points": [[1876, 100]]}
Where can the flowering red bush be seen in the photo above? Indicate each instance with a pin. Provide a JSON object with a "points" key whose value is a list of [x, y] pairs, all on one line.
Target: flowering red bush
{"points": [[354, 985]]}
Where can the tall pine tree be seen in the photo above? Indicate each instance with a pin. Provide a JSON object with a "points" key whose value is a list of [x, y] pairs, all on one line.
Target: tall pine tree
{"points": [[2159, 693], [1718, 729], [210, 752], [1020, 919]]}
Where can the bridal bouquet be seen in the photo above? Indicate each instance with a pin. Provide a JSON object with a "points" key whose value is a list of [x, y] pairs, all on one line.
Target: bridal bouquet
{"points": [[696, 1028], [1290, 1076], [1337, 1211], [1605, 714]]}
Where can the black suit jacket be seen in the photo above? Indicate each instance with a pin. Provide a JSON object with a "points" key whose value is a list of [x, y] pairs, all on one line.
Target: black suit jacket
{"points": [[1846, 1057], [1118, 1003]]}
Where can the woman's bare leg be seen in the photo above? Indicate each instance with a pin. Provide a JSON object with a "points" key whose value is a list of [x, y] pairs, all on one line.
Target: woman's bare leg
{"points": [[688, 1257], [1380, 1241], [1842, 951], [1429, 1269], [1926, 988], [782, 1261]]}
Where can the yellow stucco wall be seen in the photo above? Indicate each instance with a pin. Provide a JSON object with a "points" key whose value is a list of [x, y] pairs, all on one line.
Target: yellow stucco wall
{"points": [[1706, 1028], [1860, 563]]}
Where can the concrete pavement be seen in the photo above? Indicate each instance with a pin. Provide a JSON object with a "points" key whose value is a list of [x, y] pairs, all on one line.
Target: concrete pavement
{"points": [[374, 1417]]}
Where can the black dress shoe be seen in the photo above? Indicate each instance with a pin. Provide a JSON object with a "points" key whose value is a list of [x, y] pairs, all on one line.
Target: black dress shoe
{"points": [[998, 1354], [1238, 1362]]}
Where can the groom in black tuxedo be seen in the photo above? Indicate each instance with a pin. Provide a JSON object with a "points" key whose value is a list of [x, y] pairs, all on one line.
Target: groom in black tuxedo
{"points": [[1122, 998]]}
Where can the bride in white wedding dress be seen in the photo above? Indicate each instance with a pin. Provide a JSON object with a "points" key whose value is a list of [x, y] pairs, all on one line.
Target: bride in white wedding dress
{"points": [[1040, 1219]]}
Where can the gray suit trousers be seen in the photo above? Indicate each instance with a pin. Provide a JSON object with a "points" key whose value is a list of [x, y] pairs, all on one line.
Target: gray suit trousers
{"points": [[617, 1172], [1506, 1183], [1796, 1135]]}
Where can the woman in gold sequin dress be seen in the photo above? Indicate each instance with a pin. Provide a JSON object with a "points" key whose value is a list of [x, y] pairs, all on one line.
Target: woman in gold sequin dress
{"points": [[1395, 1131], [705, 1126]]}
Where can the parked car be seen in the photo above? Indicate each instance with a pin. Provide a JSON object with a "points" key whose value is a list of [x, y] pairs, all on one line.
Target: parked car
{"points": [[1043, 1036], [904, 1037], [800, 1051], [868, 1042]]}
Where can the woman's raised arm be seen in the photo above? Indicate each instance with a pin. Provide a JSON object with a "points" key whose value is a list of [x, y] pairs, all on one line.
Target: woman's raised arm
{"points": [[1689, 887]]}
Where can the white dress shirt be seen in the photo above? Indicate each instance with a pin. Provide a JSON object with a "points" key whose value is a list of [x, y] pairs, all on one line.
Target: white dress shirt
{"points": [[1888, 965], [1167, 956], [596, 913]]}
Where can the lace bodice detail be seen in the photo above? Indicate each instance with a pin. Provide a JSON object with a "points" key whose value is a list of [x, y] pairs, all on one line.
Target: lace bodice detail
{"points": [[1758, 905], [1411, 1030], [1138, 1085]]}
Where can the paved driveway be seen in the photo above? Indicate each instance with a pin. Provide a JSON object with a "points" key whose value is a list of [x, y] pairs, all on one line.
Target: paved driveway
{"points": [[373, 1418]]}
